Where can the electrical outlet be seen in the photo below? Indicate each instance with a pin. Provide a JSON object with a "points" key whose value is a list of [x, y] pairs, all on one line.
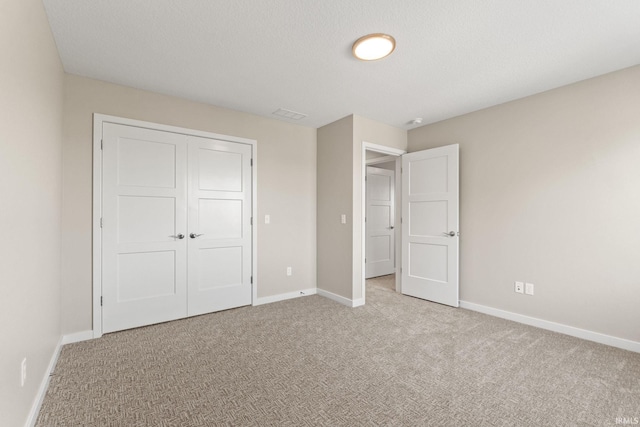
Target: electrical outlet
{"points": [[528, 288], [518, 287], [289, 271], [267, 219], [23, 372], [343, 218]]}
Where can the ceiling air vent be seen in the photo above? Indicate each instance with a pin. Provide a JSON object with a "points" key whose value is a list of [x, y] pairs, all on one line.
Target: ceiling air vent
{"points": [[288, 114]]}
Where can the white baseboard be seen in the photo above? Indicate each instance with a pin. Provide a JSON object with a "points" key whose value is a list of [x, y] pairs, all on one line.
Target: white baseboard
{"points": [[286, 296], [357, 302], [77, 337], [342, 300], [555, 327], [44, 384]]}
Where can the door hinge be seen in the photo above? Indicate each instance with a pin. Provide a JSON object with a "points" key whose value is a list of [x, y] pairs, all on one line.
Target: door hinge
{"points": [[100, 301], [251, 160], [251, 221], [100, 222], [400, 220], [251, 279], [365, 260], [101, 144]]}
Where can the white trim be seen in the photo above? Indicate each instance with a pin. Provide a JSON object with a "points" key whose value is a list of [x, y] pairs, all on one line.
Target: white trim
{"points": [[555, 327], [398, 206], [77, 337], [254, 222], [98, 121], [382, 149], [383, 159], [44, 385], [393, 152], [286, 296], [340, 299], [96, 234]]}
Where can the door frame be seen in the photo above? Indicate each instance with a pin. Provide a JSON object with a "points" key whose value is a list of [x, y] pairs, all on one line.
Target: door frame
{"points": [[98, 121], [391, 154]]}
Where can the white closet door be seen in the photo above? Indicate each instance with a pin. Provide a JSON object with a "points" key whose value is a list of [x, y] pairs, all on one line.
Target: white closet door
{"points": [[144, 213], [219, 238]]}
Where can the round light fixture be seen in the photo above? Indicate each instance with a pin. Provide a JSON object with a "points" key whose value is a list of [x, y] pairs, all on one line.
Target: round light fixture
{"points": [[373, 46]]}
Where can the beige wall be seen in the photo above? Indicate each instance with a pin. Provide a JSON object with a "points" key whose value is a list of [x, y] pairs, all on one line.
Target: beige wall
{"points": [[286, 165], [31, 90], [335, 196], [550, 194]]}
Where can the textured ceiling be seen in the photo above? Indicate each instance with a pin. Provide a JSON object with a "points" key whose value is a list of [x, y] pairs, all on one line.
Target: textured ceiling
{"points": [[452, 56]]}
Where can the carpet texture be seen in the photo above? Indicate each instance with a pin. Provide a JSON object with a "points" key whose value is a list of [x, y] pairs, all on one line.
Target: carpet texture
{"points": [[397, 361]]}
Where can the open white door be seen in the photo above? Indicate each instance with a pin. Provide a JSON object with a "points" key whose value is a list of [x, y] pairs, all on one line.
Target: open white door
{"points": [[430, 210], [379, 222]]}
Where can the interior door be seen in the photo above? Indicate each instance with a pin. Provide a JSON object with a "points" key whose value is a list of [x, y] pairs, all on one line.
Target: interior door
{"points": [[430, 206], [144, 224], [379, 239], [219, 225]]}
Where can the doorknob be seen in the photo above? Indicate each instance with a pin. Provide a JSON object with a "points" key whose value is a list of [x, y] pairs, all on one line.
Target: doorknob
{"points": [[179, 236], [450, 234], [391, 228], [194, 235]]}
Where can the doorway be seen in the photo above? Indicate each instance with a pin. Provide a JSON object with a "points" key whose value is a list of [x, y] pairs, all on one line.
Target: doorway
{"points": [[427, 199], [380, 219], [387, 158]]}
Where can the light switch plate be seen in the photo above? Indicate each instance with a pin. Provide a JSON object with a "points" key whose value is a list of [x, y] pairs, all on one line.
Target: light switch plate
{"points": [[528, 288]]}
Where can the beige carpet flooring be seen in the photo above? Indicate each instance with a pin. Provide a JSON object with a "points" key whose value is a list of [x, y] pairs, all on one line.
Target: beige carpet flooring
{"points": [[310, 361]]}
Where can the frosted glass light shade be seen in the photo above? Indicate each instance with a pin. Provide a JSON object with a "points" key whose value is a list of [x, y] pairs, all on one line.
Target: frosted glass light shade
{"points": [[373, 46]]}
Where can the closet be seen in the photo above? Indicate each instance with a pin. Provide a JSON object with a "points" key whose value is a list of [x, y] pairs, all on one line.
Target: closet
{"points": [[176, 226]]}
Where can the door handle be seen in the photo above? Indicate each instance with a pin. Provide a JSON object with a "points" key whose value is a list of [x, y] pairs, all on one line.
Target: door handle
{"points": [[449, 234], [391, 228], [178, 236], [194, 235]]}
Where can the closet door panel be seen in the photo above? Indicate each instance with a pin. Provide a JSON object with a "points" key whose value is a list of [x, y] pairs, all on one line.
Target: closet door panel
{"points": [[144, 211], [219, 263]]}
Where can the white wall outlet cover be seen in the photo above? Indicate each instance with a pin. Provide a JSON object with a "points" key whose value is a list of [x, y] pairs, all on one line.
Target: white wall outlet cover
{"points": [[289, 271], [518, 287], [343, 218], [267, 219]]}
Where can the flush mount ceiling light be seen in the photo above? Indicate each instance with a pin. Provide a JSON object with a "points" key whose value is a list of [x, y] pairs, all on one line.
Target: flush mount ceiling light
{"points": [[373, 46]]}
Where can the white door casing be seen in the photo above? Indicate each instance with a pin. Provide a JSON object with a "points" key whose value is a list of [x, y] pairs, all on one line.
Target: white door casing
{"points": [[219, 225], [144, 211], [380, 222], [430, 238], [156, 187]]}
